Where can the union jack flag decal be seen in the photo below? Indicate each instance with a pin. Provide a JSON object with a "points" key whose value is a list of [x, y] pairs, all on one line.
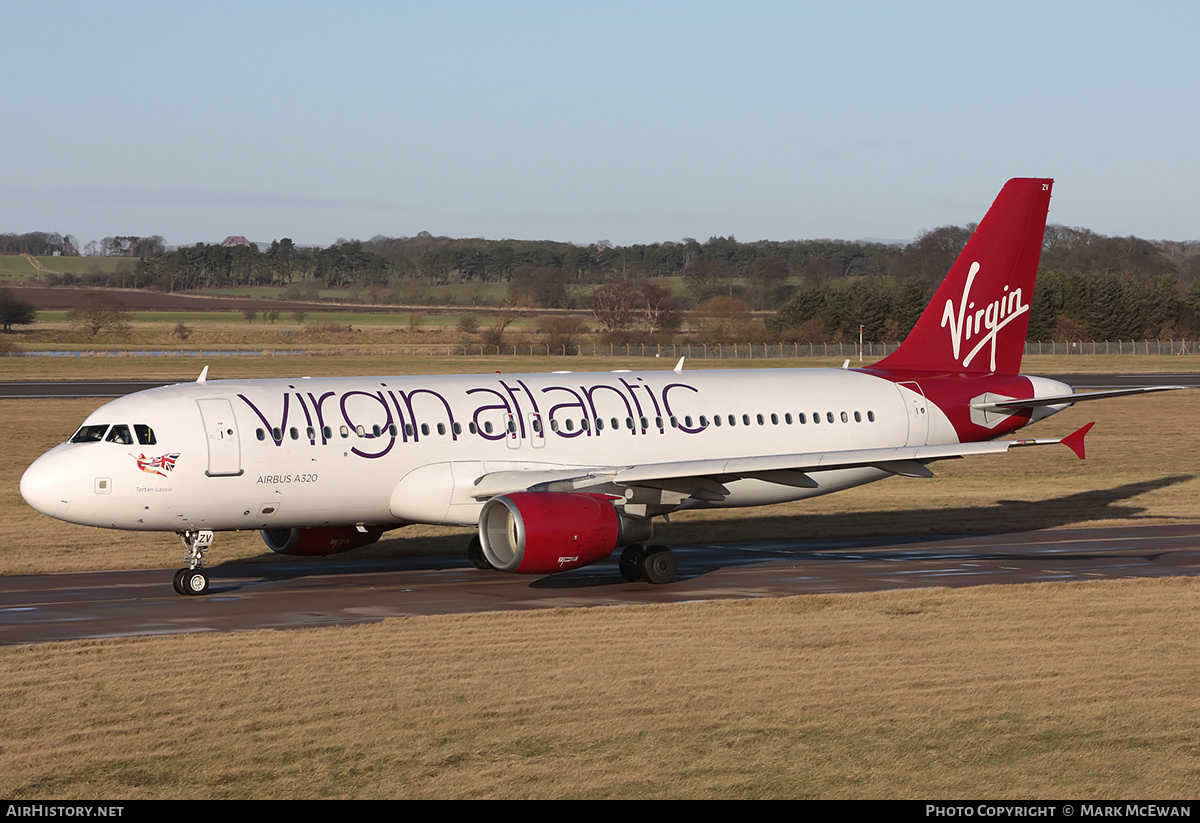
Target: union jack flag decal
{"points": [[152, 465]]}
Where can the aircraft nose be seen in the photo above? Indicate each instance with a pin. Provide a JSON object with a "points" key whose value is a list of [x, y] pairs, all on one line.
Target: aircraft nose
{"points": [[45, 485]]}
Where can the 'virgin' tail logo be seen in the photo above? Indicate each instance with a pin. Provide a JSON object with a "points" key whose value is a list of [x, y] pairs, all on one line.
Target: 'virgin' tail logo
{"points": [[967, 323]]}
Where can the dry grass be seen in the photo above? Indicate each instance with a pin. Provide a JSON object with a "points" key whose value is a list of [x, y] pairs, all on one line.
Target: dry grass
{"points": [[1049, 690]]}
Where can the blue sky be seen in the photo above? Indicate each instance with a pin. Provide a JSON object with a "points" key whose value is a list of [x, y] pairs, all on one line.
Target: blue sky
{"points": [[583, 121]]}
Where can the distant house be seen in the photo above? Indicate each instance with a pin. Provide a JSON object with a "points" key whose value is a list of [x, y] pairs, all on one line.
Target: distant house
{"points": [[235, 240]]}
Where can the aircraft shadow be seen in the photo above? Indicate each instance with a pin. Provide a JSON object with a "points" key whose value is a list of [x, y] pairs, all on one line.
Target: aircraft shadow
{"points": [[852, 530], [881, 529]]}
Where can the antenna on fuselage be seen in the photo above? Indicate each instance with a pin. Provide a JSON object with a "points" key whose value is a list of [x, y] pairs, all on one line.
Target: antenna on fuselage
{"points": [[203, 375]]}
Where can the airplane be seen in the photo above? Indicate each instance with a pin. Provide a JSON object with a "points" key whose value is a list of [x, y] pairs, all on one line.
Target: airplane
{"points": [[558, 471]]}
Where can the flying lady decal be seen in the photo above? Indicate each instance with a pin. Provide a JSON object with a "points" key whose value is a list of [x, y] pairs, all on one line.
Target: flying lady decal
{"points": [[152, 465]]}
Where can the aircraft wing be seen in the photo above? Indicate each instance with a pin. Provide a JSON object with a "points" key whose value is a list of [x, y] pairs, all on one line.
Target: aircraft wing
{"points": [[1066, 399], [705, 479]]}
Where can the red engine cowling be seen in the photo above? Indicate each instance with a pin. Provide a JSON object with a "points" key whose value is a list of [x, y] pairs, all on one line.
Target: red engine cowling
{"points": [[320, 540], [547, 532]]}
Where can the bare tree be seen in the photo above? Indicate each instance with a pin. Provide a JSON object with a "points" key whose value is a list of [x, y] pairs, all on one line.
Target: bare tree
{"points": [[616, 304], [99, 311], [508, 310]]}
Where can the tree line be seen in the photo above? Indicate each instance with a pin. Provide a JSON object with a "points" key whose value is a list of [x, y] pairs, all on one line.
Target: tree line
{"points": [[1090, 285]]}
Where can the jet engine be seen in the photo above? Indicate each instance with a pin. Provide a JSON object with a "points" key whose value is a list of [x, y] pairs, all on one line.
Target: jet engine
{"points": [[320, 540], [547, 532]]}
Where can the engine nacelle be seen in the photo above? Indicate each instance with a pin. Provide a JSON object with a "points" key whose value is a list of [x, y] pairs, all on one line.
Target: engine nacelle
{"points": [[320, 540], [547, 532]]}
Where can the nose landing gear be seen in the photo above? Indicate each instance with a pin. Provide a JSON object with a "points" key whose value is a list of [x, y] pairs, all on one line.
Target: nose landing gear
{"points": [[193, 580]]}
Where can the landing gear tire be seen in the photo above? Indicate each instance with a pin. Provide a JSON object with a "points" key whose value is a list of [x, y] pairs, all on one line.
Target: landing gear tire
{"points": [[659, 565], [476, 556], [631, 562], [193, 581]]}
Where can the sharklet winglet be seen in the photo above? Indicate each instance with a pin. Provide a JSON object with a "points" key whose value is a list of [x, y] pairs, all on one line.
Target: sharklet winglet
{"points": [[203, 375], [679, 366]]}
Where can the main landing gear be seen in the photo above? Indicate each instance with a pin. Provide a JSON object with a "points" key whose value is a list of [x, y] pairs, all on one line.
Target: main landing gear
{"points": [[654, 564], [476, 557], [193, 580]]}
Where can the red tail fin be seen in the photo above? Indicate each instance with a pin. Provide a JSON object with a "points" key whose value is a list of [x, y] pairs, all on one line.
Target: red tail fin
{"points": [[977, 320]]}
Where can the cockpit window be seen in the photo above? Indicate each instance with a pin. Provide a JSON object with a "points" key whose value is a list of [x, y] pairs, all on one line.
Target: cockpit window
{"points": [[145, 434], [90, 434], [120, 434]]}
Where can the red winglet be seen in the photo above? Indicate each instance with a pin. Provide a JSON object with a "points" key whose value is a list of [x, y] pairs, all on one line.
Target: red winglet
{"points": [[1074, 440]]}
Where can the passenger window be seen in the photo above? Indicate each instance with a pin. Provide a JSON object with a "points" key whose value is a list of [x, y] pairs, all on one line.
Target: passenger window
{"points": [[260, 434], [120, 434], [829, 416], [145, 434], [90, 434], [845, 418], [858, 417], [871, 416]]}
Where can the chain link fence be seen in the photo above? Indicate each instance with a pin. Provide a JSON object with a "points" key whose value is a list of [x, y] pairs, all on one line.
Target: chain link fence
{"points": [[712, 351]]}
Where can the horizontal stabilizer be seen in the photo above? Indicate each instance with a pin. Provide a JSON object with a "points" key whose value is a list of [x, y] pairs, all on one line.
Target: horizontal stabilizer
{"points": [[1067, 399]]}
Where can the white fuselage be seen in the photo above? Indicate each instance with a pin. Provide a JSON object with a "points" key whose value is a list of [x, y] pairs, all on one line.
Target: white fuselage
{"points": [[257, 454]]}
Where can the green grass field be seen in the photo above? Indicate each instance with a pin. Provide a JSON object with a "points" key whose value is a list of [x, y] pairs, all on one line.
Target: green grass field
{"points": [[16, 267]]}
